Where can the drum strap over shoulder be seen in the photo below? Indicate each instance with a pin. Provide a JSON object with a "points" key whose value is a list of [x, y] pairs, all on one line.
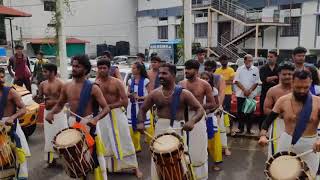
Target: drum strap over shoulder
{"points": [[3, 100], [175, 103], [84, 98], [304, 117], [134, 104]]}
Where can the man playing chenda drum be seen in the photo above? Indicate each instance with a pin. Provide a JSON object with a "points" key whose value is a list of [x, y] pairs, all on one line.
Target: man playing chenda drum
{"points": [[49, 91], [84, 99], [11, 108], [171, 102], [300, 111]]}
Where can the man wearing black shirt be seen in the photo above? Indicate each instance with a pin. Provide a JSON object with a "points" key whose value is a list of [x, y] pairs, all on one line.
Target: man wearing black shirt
{"points": [[269, 77]]}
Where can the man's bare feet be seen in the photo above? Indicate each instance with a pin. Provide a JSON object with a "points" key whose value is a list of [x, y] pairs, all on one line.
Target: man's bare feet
{"points": [[227, 152], [138, 173], [216, 168]]}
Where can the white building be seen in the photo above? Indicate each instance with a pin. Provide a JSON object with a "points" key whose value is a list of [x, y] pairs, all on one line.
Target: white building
{"points": [[96, 21]]}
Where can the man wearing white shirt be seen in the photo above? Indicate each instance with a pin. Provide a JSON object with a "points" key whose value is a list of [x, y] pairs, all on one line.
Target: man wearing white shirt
{"points": [[246, 79]]}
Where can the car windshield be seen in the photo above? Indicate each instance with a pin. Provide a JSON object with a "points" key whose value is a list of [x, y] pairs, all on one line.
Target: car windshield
{"points": [[164, 54]]}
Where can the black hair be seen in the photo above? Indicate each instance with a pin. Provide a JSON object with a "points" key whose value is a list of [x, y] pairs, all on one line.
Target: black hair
{"points": [[104, 61], [172, 68], [142, 69], [210, 75], [40, 52], [274, 52], [212, 64], [299, 50], [50, 67], [223, 57], [156, 58], [18, 46], [314, 73], [303, 74], [201, 50], [141, 55], [192, 64], [286, 65], [108, 54], [84, 61], [2, 71]]}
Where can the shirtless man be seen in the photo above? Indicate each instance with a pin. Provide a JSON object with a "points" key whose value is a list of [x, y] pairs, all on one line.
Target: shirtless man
{"points": [[115, 94], [80, 94], [200, 89], [50, 90], [285, 71], [11, 108], [153, 74], [171, 105], [300, 111]]}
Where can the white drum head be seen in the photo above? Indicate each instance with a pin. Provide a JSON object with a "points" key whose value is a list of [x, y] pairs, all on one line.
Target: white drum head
{"points": [[68, 137], [166, 144], [285, 168]]}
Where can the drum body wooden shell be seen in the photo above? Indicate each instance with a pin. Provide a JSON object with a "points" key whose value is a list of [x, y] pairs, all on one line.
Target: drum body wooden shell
{"points": [[301, 173], [170, 165], [77, 157]]}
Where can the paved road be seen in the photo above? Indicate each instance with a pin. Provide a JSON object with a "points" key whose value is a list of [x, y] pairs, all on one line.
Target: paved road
{"points": [[246, 162]]}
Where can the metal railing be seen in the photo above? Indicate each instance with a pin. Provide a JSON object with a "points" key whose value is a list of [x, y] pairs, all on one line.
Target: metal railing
{"points": [[236, 10]]}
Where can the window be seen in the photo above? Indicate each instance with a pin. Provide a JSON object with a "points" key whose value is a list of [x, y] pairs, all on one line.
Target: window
{"points": [[163, 18], [290, 6], [201, 30], [177, 29], [3, 36], [294, 29], [178, 17], [162, 32], [205, 14]]}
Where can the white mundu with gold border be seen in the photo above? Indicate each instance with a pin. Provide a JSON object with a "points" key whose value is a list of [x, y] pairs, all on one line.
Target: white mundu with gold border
{"points": [[120, 153]]}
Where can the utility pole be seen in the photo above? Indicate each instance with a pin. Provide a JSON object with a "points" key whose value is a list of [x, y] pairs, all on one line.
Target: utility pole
{"points": [[62, 49], [187, 11]]}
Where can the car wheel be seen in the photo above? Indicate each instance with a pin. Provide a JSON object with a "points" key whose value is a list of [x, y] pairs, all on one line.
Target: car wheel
{"points": [[29, 130]]}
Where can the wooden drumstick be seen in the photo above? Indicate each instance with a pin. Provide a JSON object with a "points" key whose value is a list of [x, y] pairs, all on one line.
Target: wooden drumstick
{"points": [[145, 132], [221, 109], [303, 154], [76, 114], [270, 140]]}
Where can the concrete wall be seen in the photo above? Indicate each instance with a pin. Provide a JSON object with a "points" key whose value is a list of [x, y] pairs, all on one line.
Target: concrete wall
{"points": [[157, 4], [98, 21]]}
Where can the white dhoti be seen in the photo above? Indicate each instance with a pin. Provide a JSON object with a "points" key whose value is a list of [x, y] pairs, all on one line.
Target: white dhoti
{"points": [[304, 144], [276, 129], [120, 151], [100, 147], [21, 153], [198, 145], [50, 131]]}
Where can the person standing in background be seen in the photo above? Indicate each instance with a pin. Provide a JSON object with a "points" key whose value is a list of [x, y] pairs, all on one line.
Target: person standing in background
{"points": [[19, 68], [269, 78], [37, 71], [201, 57]]}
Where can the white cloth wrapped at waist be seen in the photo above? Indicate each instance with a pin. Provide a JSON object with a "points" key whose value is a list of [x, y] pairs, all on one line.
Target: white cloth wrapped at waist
{"points": [[51, 130]]}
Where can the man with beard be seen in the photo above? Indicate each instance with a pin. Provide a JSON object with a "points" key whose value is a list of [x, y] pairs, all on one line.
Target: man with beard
{"points": [[171, 102], [50, 90], [300, 111], [201, 89], [11, 108], [84, 99], [298, 57], [116, 134], [285, 72]]}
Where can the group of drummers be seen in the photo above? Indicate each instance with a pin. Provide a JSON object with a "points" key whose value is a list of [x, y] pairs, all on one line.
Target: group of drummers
{"points": [[97, 126]]}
